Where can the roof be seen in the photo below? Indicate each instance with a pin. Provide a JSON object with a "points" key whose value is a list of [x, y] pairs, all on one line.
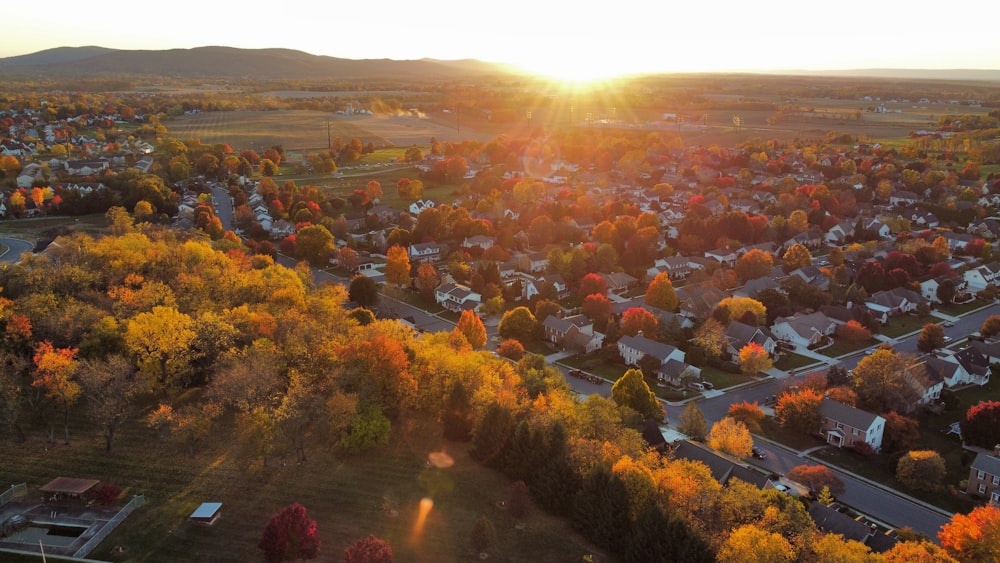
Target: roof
{"points": [[853, 417], [69, 485], [647, 346], [829, 520], [719, 466], [206, 510], [986, 463]]}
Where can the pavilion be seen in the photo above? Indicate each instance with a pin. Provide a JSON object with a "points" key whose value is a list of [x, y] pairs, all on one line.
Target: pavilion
{"points": [[68, 486]]}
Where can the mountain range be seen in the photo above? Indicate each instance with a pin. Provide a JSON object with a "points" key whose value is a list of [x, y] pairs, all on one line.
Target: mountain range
{"points": [[231, 62], [236, 63]]}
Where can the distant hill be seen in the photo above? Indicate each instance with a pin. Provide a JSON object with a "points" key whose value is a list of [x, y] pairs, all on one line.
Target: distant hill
{"points": [[230, 62]]}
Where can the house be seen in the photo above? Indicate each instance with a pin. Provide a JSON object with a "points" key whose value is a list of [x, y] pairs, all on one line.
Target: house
{"points": [[534, 262], [479, 241], [957, 241], [421, 204], [839, 233], [675, 373], [740, 334], [426, 252], [722, 467], [457, 297], [29, 174], [86, 167], [618, 282], [723, 256], [803, 330], [282, 229], [926, 382], [975, 362], [676, 267], [753, 287], [984, 476], [831, 521], [845, 426], [698, 301], [555, 329], [633, 348], [903, 198], [980, 277], [893, 303]]}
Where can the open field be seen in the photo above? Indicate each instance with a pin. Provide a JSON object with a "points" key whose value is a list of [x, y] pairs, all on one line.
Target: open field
{"points": [[42, 228], [377, 492], [307, 130]]}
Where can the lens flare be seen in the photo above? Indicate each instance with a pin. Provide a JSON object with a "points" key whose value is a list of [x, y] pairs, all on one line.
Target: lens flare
{"points": [[426, 504]]}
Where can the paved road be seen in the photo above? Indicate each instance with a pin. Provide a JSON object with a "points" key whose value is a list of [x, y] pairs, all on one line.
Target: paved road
{"points": [[15, 248]]}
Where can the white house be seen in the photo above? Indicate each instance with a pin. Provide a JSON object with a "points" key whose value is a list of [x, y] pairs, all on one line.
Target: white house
{"points": [[803, 330], [456, 297], [425, 252], [634, 348], [980, 277]]}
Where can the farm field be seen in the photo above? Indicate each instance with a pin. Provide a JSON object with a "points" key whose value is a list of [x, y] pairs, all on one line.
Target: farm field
{"points": [[377, 492]]}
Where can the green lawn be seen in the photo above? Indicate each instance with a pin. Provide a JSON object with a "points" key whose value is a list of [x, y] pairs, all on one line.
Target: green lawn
{"points": [[793, 439], [791, 360], [905, 324], [348, 496], [722, 379], [956, 310], [841, 347]]}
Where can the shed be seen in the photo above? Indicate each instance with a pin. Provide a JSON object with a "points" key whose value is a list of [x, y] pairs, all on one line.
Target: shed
{"points": [[69, 486], [207, 513]]}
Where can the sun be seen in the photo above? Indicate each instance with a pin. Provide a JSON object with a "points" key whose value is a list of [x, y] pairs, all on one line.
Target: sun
{"points": [[571, 73]]}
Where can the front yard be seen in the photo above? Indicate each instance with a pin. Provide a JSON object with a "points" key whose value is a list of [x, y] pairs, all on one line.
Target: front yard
{"points": [[791, 360], [898, 326], [842, 347]]}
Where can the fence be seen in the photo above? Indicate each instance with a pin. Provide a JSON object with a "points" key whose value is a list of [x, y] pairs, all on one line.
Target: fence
{"points": [[92, 543], [15, 491]]}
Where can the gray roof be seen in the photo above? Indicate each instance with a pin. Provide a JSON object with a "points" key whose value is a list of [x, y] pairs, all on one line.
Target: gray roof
{"points": [[853, 417], [647, 346], [829, 520], [986, 463]]}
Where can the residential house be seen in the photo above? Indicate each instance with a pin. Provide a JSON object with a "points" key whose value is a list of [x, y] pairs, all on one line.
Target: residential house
{"points": [[903, 198], [753, 287], [984, 476], [986, 229], [675, 373], [531, 287], [947, 369], [926, 382], [839, 233], [811, 239], [534, 262], [831, 521], [721, 466], [929, 288], [844, 426], [634, 348], [29, 174], [281, 229], [676, 267], [739, 335], [574, 333], [803, 330], [893, 303], [723, 256], [813, 276], [457, 297], [426, 252], [480, 241], [980, 277], [957, 241], [421, 204], [618, 282], [976, 363], [698, 301], [86, 167]]}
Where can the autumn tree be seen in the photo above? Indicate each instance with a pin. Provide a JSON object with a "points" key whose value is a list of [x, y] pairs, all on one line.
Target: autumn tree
{"points": [[754, 359], [110, 387], [397, 266], [881, 382], [815, 477], [511, 349], [974, 536], [901, 432], [363, 291], [798, 222], [377, 368], [632, 391], [661, 294], [750, 543], [369, 550], [636, 320], [290, 535], [914, 551], [797, 256], [981, 425], [743, 309], [799, 410], [692, 422], [853, 332], [314, 243], [921, 470], [471, 327], [931, 338], [519, 324], [55, 370], [732, 437], [754, 263], [162, 343], [750, 414], [598, 309], [991, 327], [592, 284]]}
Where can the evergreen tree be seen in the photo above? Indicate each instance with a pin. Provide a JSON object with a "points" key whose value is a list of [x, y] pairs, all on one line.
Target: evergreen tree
{"points": [[457, 418], [490, 438], [600, 510]]}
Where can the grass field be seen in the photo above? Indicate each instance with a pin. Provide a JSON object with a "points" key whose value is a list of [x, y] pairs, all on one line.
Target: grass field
{"points": [[36, 229], [349, 497]]}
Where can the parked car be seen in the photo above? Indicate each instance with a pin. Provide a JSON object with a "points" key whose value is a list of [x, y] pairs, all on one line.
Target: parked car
{"points": [[947, 324], [697, 385], [708, 384], [758, 453]]}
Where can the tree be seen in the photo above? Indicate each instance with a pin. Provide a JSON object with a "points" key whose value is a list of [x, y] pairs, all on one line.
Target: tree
{"points": [[797, 256], [743, 309], [636, 320], [511, 349], [483, 534], [519, 324], [981, 425], [732, 437], [853, 332], [427, 280], [661, 294], [519, 503], [815, 477], [369, 550], [882, 384], [692, 422], [363, 291], [162, 343], [754, 359], [592, 284], [750, 543], [750, 414], [710, 338], [268, 167], [799, 410], [471, 327], [974, 536], [632, 391], [54, 373], [597, 308], [754, 263], [991, 327], [921, 470], [798, 221], [369, 428], [314, 243], [110, 387], [946, 291], [397, 266], [931, 338], [901, 432], [290, 535], [914, 551]]}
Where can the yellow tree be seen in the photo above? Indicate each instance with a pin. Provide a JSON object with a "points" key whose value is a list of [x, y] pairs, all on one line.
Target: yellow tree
{"points": [[974, 536], [743, 309], [54, 371], [161, 342], [797, 256], [730, 436], [755, 263], [798, 221], [754, 359], [751, 544], [660, 293], [373, 190], [834, 547], [471, 327], [397, 266]]}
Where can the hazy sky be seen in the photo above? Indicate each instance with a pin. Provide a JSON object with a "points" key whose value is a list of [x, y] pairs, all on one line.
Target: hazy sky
{"points": [[581, 39]]}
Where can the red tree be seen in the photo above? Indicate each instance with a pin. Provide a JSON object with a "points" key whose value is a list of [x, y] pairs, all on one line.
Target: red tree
{"points": [[593, 284], [289, 535], [511, 349], [637, 320], [816, 477], [598, 309], [368, 550]]}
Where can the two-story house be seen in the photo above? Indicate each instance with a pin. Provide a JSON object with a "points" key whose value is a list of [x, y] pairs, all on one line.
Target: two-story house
{"points": [[980, 277], [844, 426], [456, 297], [425, 252], [984, 476]]}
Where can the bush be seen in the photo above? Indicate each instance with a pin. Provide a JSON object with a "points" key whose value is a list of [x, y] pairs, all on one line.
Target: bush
{"points": [[107, 494]]}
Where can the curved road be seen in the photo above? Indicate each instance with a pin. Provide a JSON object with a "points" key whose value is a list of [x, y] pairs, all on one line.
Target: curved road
{"points": [[15, 248]]}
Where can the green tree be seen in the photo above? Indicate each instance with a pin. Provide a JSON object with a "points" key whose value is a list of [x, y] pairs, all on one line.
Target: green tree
{"points": [[315, 244], [921, 470], [369, 429], [661, 294], [692, 422], [519, 324], [363, 291], [632, 391]]}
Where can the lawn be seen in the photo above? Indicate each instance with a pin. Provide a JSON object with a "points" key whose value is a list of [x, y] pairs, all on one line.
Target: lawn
{"points": [[841, 347], [349, 496], [791, 360], [960, 309], [906, 324], [723, 379], [792, 438], [49, 227]]}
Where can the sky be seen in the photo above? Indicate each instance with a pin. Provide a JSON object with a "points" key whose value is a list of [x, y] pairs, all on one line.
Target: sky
{"points": [[580, 40]]}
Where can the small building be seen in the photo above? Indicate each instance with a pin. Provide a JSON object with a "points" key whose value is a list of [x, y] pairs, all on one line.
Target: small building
{"points": [[68, 487], [984, 476], [207, 513]]}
